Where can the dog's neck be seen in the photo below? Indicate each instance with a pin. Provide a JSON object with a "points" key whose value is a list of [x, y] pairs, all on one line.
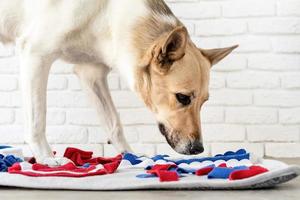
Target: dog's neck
{"points": [[150, 22]]}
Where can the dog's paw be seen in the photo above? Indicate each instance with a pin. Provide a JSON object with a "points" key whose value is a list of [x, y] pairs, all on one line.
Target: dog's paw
{"points": [[55, 161]]}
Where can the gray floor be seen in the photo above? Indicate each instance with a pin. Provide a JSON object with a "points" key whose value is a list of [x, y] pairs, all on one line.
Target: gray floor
{"points": [[290, 190]]}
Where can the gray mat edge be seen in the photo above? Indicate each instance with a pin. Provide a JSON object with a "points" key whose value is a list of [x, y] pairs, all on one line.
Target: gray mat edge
{"points": [[266, 180]]}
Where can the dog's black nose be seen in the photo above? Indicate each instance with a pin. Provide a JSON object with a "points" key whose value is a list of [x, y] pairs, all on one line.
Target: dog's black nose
{"points": [[196, 148]]}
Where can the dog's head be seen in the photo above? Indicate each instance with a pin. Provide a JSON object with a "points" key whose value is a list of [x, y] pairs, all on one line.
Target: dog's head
{"points": [[173, 80]]}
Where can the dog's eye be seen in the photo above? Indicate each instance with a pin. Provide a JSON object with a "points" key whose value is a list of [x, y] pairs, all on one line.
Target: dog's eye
{"points": [[183, 99]]}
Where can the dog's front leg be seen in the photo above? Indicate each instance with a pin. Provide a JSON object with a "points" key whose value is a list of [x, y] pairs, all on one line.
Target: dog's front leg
{"points": [[34, 71], [94, 80]]}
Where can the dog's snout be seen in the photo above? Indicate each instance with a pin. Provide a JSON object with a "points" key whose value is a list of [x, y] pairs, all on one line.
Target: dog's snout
{"points": [[162, 129], [196, 148], [180, 143]]}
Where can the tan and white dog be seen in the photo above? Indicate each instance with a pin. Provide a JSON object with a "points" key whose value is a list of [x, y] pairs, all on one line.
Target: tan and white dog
{"points": [[141, 38]]}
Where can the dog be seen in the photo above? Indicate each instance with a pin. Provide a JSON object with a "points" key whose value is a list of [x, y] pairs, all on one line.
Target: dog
{"points": [[143, 39]]}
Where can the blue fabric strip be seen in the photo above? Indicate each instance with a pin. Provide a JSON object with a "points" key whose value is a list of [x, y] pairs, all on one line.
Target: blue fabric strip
{"points": [[8, 161], [238, 155], [86, 165], [185, 171], [4, 147], [133, 159], [159, 157], [223, 172], [146, 176]]}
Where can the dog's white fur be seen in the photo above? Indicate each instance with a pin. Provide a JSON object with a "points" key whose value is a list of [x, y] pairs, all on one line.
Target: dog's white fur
{"points": [[94, 34]]}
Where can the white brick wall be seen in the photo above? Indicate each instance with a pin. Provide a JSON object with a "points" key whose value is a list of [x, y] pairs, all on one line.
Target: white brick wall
{"points": [[255, 92]]}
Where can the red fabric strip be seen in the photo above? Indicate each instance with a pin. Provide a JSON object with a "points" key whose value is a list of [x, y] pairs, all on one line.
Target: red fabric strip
{"points": [[252, 171], [161, 170], [110, 165], [166, 176], [80, 157], [204, 171]]}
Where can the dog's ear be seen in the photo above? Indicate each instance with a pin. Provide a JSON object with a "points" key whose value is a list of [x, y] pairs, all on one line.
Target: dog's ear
{"points": [[215, 55], [173, 46], [166, 50]]}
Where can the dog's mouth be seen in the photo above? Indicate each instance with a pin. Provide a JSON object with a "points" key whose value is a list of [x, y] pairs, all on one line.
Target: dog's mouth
{"points": [[180, 145], [165, 132]]}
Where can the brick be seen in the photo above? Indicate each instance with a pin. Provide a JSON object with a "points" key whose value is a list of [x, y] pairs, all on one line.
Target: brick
{"points": [[280, 44], [8, 83], [54, 117], [276, 133], [61, 67], [57, 83], [67, 135], [248, 43], [251, 115], [211, 114], [136, 116], [82, 117], [131, 134], [291, 81], [126, 99], [255, 148], [144, 149], [11, 134], [233, 62], [288, 8], [10, 99], [219, 27], [74, 83], [286, 150], [224, 132], [216, 81], [206, 42], [277, 98], [289, 116], [99, 135], [248, 8], [113, 81], [6, 51], [66, 99], [228, 97], [274, 62], [252, 80], [150, 134], [9, 65], [123, 84], [197, 10], [274, 26], [7, 116], [109, 150]]}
